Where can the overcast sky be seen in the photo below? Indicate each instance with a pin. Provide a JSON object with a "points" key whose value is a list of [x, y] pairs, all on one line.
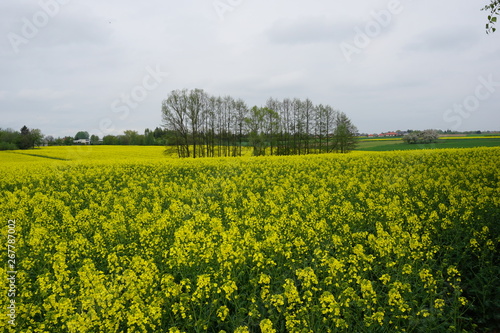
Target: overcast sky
{"points": [[105, 66]]}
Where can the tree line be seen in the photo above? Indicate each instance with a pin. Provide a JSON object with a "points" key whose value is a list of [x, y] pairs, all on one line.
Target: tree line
{"points": [[150, 137], [24, 139], [201, 125]]}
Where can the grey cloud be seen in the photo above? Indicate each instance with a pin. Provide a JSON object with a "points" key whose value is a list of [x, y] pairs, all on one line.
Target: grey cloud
{"points": [[68, 76], [307, 30], [43, 94], [447, 40]]}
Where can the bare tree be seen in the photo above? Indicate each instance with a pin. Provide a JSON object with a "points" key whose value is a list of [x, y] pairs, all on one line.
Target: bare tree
{"points": [[174, 113], [308, 116], [241, 110], [196, 106]]}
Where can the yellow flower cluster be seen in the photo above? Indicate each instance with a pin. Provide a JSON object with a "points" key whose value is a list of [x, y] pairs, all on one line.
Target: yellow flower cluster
{"points": [[114, 239]]}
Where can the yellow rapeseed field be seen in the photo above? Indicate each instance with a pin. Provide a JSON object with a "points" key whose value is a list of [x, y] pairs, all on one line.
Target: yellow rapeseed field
{"points": [[126, 239]]}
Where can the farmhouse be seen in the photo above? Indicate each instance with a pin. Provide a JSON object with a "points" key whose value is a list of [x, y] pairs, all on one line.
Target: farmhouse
{"points": [[81, 142], [390, 134]]}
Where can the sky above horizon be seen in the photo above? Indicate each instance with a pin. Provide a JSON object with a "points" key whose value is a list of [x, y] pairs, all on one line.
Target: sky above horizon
{"points": [[105, 67]]}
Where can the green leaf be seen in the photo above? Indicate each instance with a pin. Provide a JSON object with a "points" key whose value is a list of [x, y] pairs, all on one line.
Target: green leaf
{"points": [[493, 19]]}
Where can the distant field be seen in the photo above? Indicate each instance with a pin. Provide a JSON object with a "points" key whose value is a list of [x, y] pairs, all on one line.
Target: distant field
{"points": [[86, 153], [444, 142], [153, 153]]}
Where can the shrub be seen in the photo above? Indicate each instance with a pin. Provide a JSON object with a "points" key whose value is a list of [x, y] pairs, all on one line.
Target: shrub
{"points": [[427, 136]]}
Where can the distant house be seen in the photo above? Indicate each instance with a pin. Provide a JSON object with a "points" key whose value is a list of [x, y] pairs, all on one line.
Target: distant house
{"points": [[389, 134], [81, 142]]}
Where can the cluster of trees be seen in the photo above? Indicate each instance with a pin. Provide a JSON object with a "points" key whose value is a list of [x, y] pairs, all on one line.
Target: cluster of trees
{"points": [[427, 136], [24, 139], [150, 137], [30, 138], [154, 137], [200, 125]]}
